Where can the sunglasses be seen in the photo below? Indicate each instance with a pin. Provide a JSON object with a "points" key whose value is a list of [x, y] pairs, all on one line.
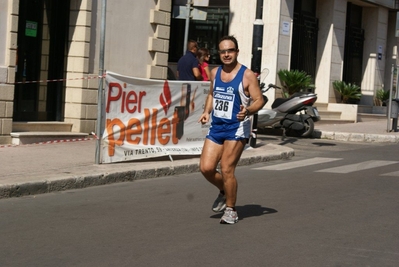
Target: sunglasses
{"points": [[228, 51]]}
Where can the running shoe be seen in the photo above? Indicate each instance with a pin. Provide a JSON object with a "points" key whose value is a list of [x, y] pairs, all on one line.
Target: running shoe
{"points": [[219, 204], [229, 217]]}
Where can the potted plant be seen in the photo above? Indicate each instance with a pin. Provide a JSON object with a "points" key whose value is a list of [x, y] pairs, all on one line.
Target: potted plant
{"points": [[294, 81], [381, 97], [350, 93]]}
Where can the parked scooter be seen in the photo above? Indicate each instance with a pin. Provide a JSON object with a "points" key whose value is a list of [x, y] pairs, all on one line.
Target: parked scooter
{"points": [[295, 115]]}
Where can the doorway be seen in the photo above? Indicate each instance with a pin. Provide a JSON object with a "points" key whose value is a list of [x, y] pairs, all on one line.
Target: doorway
{"points": [[354, 40], [304, 37], [42, 39]]}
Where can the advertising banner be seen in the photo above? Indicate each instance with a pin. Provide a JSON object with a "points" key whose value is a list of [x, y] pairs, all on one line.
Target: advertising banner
{"points": [[151, 118]]}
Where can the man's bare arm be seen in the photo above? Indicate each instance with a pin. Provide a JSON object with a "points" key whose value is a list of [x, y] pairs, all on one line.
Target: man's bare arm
{"points": [[197, 74], [254, 92]]}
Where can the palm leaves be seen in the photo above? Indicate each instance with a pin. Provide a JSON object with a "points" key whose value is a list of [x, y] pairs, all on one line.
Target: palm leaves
{"points": [[382, 95], [348, 91], [295, 81]]}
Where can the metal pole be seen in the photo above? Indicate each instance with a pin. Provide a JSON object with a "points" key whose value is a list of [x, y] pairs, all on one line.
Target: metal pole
{"points": [[397, 82], [257, 40], [100, 84], [188, 6], [390, 100], [394, 98]]}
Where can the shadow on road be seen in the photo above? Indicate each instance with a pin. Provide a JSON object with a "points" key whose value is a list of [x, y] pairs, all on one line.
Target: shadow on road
{"points": [[248, 211], [323, 144]]}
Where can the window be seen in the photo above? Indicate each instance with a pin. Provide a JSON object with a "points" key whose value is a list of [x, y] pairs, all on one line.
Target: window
{"points": [[206, 32]]}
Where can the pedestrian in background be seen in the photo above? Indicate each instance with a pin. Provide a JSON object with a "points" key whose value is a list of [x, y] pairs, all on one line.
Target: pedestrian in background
{"points": [[234, 95], [188, 65], [203, 58]]}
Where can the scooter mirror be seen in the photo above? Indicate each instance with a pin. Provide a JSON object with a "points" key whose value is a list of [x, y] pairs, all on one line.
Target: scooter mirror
{"points": [[263, 75]]}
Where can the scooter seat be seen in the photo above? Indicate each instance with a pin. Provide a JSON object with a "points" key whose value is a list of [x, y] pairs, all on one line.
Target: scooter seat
{"points": [[278, 101]]}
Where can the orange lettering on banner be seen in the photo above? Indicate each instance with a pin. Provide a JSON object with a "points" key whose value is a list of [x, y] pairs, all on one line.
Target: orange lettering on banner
{"points": [[111, 139], [147, 132], [153, 126], [164, 128], [133, 128], [146, 126], [175, 120], [131, 102]]}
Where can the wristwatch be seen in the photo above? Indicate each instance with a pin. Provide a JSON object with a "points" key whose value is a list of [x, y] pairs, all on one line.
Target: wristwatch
{"points": [[246, 112]]}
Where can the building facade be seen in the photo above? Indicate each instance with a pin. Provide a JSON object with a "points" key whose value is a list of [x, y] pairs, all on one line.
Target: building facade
{"points": [[58, 43]]}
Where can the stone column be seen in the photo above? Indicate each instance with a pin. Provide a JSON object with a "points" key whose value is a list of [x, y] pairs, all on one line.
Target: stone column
{"points": [[277, 18], [81, 92], [8, 53], [330, 47], [375, 24]]}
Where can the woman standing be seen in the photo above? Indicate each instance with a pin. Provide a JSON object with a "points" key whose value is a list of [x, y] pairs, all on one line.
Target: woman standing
{"points": [[203, 58]]}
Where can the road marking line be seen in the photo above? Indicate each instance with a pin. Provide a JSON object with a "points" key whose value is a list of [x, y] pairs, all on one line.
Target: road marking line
{"points": [[391, 174], [359, 166], [297, 164]]}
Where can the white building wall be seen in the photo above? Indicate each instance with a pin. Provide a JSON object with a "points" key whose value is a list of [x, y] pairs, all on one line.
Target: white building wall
{"points": [[242, 17], [330, 48], [286, 15], [137, 37], [3, 31], [375, 24], [276, 42], [80, 94], [136, 44], [391, 51]]}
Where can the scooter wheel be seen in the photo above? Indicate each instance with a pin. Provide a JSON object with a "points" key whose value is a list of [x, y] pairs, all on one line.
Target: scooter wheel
{"points": [[306, 132]]}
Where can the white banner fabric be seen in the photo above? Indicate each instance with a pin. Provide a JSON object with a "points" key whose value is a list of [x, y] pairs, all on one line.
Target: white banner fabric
{"points": [[151, 118]]}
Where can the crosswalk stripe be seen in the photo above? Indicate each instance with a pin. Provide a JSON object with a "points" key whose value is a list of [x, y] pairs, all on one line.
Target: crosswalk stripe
{"points": [[359, 166], [298, 163], [391, 174]]}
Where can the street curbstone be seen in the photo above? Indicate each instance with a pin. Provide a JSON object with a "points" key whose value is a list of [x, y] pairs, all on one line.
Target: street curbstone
{"points": [[381, 138], [356, 137], [18, 190], [184, 166]]}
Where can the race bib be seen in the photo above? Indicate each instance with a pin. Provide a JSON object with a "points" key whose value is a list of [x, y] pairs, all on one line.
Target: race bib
{"points": [[223, 105]]}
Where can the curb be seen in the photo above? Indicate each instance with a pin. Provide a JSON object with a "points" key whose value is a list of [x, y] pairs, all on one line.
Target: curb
{"points": [[184, 166], [356, 137]]}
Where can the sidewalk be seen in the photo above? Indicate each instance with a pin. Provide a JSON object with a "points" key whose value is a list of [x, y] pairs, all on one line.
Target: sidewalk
{"points": [[369, 131], [37, 169], [44, 168]]}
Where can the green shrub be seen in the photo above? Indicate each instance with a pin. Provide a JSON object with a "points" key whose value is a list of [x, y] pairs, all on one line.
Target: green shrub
{"points": [[348, 91], [382, 95], [295, 81]]}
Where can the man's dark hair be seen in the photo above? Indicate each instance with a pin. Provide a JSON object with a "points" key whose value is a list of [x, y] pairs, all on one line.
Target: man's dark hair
{"points": [[229, 38], [191, 44]]}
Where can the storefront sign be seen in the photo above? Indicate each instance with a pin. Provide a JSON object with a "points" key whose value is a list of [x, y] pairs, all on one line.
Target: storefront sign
{"points": [[31, 28], [285, 28]]}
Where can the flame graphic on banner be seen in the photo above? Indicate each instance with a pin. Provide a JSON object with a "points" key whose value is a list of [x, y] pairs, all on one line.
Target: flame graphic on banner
{"points": [[165, 98]]}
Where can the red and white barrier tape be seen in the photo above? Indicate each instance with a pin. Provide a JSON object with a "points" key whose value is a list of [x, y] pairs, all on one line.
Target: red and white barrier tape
{"points": [[58, 80], [52, 142]]}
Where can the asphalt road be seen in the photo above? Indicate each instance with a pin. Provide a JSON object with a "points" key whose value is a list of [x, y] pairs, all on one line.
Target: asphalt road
{"points": [[332, 204]]}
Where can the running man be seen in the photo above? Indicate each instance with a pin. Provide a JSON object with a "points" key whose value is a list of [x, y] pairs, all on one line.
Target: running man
{"points": [[233, 97]]}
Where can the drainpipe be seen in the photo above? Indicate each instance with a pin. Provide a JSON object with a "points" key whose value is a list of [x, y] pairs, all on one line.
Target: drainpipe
{"points": [[257, 39]]}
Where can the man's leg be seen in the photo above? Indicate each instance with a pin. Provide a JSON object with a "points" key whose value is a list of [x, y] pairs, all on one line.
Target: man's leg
{"points": [[231, 154], [210, 156]]}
